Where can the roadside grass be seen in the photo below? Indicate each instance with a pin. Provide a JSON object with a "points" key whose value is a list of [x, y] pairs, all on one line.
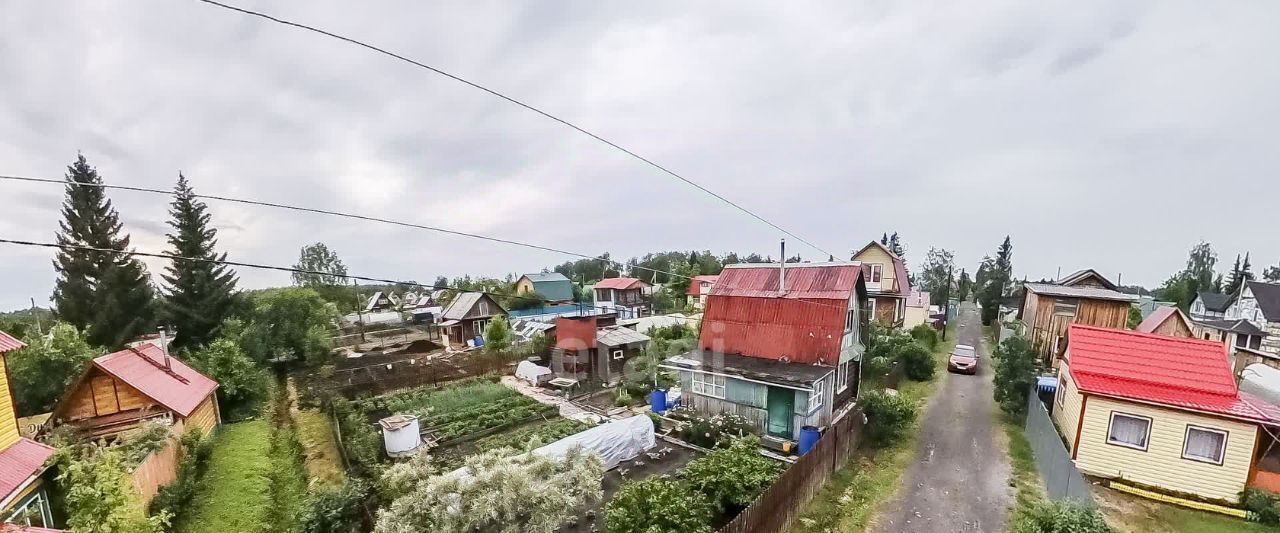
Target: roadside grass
{"points": [[1024, 478], [235, 491], [1128, 513], [849, 501], [320, 449]]}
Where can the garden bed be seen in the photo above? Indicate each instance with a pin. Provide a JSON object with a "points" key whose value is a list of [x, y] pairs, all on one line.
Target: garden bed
{"points": [[642, 467]]}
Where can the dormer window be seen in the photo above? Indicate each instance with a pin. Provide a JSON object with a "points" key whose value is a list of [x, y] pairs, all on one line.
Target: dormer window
{"points": [[875, 272]]}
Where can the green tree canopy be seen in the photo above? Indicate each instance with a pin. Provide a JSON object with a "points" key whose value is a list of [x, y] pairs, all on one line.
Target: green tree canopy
{"points": [[104, 291], [285, 323], [241, 382], [935, 274], [497, 335], [964, 286], [41, 372], [324, 264], [199, 292]]}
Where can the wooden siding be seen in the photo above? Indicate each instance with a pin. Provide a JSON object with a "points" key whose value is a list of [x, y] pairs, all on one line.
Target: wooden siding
{"points": [[100, 394], [157, 470], [205, 416], [8, 411], [1162, 465], [876, 255], [1174, 326], [714, 406], [1067, 415], [1043, 325], [746, 393]]}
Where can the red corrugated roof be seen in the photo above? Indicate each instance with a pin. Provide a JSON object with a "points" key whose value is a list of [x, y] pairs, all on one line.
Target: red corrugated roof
{"points": [[825, 282], [695, 284], [8, 343], [619, 283], [745, 315], [142, 368], [576, 333], [19, 462], [1186, 373]]}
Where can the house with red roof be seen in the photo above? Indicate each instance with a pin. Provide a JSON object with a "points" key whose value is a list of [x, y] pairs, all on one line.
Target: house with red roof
{"points": [[700, 289], [1160, 412], [629, 297], [888, 286], [779, 347], [121, 390], [23, 499]]}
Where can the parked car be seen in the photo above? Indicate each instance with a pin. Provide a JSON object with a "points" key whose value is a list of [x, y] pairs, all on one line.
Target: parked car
{"points": [[964, 359]]}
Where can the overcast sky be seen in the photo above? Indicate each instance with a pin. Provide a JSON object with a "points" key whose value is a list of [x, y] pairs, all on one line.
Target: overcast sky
{"points": [[1111, 135]]}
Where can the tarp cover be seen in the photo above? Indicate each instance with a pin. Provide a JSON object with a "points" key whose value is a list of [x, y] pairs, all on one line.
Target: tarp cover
{"points": [[530, 371], [615, 442], [1262, 381]]}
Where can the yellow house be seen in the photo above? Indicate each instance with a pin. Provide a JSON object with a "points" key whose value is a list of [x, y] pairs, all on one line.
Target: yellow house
{"points": [[23, 499], [887, 285], [1157, 411]]}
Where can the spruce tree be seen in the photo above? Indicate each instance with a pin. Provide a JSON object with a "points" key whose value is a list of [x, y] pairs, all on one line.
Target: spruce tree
{"points": [[104, 291], [199, 292]]}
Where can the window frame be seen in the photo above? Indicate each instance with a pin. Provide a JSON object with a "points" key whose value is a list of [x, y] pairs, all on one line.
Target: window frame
{"points": [[877, 272], [704, 383], [1061, 399], [619, 354], [1222, 452], [842, 377], [1111, 420], [815, 396]]}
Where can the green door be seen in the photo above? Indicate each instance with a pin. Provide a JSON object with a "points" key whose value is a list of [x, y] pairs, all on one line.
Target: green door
{"points": [[781, 407]]}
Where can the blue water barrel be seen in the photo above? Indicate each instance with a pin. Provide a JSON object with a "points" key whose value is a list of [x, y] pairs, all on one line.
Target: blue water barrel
{"points": [[479, 340], [658, 400], [808, 438]]}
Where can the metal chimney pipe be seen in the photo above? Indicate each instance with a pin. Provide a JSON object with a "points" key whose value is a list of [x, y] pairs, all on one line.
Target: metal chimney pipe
{"points": [[164, 348], [782, 271]]}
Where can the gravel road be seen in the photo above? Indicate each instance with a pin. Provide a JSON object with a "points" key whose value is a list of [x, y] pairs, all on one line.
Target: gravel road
{"points": [[959, 480]]}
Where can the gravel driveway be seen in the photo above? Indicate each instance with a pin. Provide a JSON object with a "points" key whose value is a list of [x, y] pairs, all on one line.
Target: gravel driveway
{"points": [[959, 480]]}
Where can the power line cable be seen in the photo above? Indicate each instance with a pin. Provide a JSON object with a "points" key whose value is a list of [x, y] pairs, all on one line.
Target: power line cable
{"points": [[512, 100]]}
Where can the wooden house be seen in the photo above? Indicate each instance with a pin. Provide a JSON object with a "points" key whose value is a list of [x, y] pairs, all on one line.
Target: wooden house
{"points": [[1210, 306], [630, 297], [888, 286], [700, 289], [1168, 321], [782, 354], [1084, 297], [1159, 412], [467, 316], [584, 350], [121, 390], [551, 285], [23, 498], [381, 301]]}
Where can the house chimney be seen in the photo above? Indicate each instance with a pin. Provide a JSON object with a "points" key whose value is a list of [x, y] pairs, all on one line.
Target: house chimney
{"points": [[782, 271], [164, 349]]}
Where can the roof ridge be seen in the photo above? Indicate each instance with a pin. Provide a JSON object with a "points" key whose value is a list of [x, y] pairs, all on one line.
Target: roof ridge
{"points": [[167, 370], [1181, 340], [1158, 384]]}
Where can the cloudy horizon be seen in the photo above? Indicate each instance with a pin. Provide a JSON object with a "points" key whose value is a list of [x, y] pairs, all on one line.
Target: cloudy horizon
{"points": [[1110, 135]]}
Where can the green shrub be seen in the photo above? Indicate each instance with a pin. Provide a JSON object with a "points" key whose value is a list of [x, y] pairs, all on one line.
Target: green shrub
{"points": [[879, 366], [1016, 365], [1263, 506], [1060, 517], [710, 432], [658, 504], [888, 417], [733, 477], [917, 362], [926, 335], [175, 497], [335, 510]]}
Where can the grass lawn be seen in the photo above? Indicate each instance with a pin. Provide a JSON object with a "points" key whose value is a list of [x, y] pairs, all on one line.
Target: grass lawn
{"points": [[1128, 513], [871, 477], [1024, 477], [320, 450], [235, 491]]}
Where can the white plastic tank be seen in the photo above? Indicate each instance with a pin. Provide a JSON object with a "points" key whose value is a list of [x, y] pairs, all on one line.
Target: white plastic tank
{"points": [[400, 434]]}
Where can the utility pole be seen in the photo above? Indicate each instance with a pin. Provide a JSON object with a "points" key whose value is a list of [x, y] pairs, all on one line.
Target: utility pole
{"points": [[35, 313], [355, 290], [946, 301]]}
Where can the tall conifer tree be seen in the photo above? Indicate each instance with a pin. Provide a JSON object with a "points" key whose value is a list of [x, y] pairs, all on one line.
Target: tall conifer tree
{"points": [[105, 291], [199, 292]]}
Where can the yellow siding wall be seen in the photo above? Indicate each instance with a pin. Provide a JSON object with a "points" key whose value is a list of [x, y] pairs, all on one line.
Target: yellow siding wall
{"points": [[523, 286], [875, 255], [204, 416], [1067, 415], [1162, 464], [8, 414]]}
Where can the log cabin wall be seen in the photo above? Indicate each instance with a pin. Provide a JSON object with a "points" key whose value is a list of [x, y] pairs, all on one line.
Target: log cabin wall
{"points": [[1047, 318], [101, 395]]}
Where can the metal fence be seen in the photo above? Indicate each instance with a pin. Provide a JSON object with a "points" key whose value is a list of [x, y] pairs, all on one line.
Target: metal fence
{"points": [[779, 506], [1061, 479]]}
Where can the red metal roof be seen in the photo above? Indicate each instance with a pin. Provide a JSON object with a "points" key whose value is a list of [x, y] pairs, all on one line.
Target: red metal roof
{"points": [[823, 281], [619, 283], [19, 462], [143, 369], [8, 343], [1179, 372], [695, 284], [746, 315]]}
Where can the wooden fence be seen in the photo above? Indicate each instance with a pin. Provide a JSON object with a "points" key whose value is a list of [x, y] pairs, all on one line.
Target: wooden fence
{"points": [[157, 470], [779, 506]]}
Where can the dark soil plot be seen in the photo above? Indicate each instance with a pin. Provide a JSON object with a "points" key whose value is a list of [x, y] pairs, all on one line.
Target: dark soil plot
{"points": [[674, 458]]}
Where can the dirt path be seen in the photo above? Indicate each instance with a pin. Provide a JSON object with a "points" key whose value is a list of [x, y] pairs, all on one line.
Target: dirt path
{"points": [[959, 481]]}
